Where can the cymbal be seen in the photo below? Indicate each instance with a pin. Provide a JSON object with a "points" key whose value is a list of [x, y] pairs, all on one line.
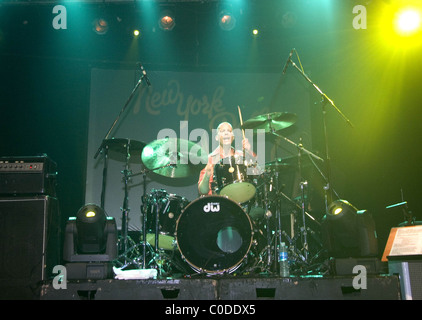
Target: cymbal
{"points": [[123, 146], [277, 165], [174, 158], [270, 122]]}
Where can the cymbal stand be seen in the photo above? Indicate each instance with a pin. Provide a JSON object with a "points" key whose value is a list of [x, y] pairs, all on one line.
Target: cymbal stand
{"points": [[144, 208], [303, 190], [104, 182], [125, 208]]}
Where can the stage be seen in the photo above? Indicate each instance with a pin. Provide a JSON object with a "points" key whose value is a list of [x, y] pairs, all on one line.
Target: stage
{"points": [[228, 288]]}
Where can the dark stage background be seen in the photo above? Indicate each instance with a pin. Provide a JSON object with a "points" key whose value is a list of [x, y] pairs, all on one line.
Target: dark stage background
{"points": [[46, 85]]}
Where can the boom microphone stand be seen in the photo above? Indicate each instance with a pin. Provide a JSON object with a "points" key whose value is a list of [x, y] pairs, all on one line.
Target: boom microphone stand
{"points": [[125, 210], [325, 99]]}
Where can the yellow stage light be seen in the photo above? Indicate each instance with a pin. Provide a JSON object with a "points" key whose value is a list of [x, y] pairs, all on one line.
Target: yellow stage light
{"points": [[400, 25], [408, 21]]}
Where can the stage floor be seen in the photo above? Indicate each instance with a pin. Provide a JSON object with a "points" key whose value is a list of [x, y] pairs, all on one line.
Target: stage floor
{"points": [[378, 287]]}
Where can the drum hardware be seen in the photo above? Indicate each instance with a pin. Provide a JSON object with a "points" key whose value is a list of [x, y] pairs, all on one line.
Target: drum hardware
{"points": [[127, 147], [272, 123]]}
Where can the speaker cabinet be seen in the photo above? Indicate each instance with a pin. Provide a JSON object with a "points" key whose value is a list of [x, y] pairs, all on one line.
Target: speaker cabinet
{"points": [[410, 273], [29, 244]]}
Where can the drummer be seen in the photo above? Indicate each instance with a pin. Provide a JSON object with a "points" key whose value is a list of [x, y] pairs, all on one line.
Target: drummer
{"points": [[225, 137]]}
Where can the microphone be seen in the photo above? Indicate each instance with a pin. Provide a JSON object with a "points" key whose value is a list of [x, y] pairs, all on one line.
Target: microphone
{"points": [[144, 74], [288, 60]]}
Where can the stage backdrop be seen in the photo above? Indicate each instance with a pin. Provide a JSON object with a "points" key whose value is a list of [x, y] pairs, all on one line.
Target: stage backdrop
{"points": [[203, 100]]}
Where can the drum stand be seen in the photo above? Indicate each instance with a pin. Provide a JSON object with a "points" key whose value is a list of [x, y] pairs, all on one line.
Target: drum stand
{"points": [[130, 255], [303, 234]]}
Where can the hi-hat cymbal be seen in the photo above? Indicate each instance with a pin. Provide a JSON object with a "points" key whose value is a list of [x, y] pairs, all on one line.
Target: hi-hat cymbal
{"points": [[271, 122], [124, 146], [174, 158], [277, 165]]}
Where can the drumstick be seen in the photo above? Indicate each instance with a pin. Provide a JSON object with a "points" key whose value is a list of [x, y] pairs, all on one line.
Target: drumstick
{"points": [[243, 133], [241, 122]]}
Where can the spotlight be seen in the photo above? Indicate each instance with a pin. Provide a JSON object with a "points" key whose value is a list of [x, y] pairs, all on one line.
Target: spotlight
{"points": [[348, 232], [136, 33], [226, 20], [407, 21], [90, 244], [100, 26], [167, 21], [340, 208]]}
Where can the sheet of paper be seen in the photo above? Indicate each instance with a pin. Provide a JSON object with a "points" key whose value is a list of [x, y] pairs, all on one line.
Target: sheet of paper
{"points": [[408, 241]]}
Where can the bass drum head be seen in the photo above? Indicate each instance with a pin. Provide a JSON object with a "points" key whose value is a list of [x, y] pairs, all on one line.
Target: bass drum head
{"points": [[214, 235]]}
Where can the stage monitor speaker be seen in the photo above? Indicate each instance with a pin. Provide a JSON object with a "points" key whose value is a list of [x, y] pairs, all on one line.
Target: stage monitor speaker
{"points": [[29, 244]]}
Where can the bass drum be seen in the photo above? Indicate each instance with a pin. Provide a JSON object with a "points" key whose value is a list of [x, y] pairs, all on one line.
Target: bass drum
{"points": [[214, 235]]}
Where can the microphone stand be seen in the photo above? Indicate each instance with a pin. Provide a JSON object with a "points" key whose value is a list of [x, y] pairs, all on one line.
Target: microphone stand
{"points": [[119, 115], [324, 101], [103, 145]]}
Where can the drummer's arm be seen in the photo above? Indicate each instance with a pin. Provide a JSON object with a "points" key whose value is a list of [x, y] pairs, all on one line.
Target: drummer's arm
{"points": [[204, 179]]}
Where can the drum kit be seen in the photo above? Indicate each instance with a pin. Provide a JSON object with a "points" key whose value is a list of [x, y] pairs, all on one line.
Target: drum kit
{"points": [[238, 228]]}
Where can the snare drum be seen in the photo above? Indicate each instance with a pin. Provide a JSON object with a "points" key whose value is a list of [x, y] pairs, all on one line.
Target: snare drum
{"points": [[232, 180], [214, 235]]}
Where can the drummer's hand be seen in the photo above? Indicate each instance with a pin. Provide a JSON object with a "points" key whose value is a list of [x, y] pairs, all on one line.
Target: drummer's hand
{"points": [[246, 145]]}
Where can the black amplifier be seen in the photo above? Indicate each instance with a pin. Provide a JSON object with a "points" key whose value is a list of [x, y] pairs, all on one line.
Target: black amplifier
{"points": [[28, 175]]}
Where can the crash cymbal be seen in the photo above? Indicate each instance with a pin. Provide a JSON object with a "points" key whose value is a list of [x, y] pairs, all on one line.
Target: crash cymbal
{"points": [[122, 145], [270, 122], [174, 158]]}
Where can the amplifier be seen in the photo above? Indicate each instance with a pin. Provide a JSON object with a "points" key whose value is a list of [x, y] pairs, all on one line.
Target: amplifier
{"points": [[27, 175]]}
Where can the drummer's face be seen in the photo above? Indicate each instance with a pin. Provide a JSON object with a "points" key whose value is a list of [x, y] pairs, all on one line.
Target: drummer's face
{"points": [[225, 134]]}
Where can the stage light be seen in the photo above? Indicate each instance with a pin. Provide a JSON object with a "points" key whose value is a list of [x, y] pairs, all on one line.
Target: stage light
{"points": [[255, 32], [90, 222], [349, 232], [407, 21], [90, 244], [167, 20], [400, 25], [339, 208], [100, 26], [136, 33], [226, 20]]}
